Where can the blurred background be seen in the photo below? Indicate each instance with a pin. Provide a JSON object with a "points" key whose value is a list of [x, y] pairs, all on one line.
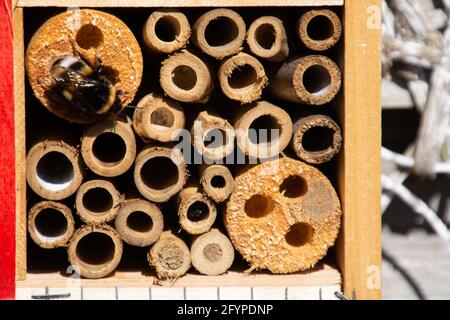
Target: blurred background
{"points": [[416, 149]]}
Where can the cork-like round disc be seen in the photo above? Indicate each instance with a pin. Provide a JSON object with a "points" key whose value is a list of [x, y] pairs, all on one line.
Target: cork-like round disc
{"points": [[283, 216], [94, 34]]}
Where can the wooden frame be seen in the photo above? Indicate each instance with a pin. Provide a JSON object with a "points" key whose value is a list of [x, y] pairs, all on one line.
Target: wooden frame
{"points": [[359, 245]]}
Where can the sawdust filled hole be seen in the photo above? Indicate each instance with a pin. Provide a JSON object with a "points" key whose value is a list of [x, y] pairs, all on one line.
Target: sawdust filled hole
{"points": [[299, 234], [258, 206], [293, 187], [170, 257], [89, 36]]}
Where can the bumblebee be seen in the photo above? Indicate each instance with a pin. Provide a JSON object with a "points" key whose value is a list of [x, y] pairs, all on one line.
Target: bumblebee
{"points": [[84, 87]]}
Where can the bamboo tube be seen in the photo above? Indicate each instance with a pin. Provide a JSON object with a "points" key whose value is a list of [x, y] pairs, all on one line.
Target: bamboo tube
{"points": [[50, 224], [217, 181], [95, 250], [242, 78], [139, 222], [109, 148], [267, 39], [158, 118], [263, 130], [94, 34], [185, 77], [196, 212], [316, 139], [54, 169], [212, 253], [319, 30], [97, 202], [212, 136], [159, 173], [166, 31], [283, 216], [169, 256], [313, 80], [219, 33]]}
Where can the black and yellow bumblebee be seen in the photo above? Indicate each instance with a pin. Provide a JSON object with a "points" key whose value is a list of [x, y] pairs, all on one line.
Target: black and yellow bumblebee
{"points": [[84, 87]]}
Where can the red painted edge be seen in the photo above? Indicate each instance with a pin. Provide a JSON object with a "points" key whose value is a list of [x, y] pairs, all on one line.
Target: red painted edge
{"points": [[7, 156]]}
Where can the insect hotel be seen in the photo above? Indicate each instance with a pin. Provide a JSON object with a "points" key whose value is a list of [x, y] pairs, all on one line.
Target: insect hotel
{"points": [[203, 148]]}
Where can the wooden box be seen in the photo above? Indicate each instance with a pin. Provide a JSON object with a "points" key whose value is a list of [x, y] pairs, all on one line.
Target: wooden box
{"points": [[357, 271]]}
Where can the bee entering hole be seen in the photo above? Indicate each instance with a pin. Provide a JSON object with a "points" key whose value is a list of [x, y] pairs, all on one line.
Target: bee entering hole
{"points": [[50, 224], [320, 28], [139, 221], [215, 138], [89, 36], [293, 187], [218, 182], [258, 206], [264, 129], [317, 80], [221, 31], [198, 211], [171, 257], [167, 28], [318, 139], [98, 201], [265, 36], [162, 119], [159, 173], [184, 77], [54, 171], [212, 252], [96, 248], [299, 234], [242, 77], [109, 148]]}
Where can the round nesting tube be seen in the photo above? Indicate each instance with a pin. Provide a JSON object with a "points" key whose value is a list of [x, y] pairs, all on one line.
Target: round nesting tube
{"points": [[219, 33], [54, 169], [319, 30], [217, 181], [95, 251], [50, 224], [139, 222]]}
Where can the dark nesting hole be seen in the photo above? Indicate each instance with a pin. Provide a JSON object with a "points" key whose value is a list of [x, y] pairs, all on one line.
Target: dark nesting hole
{"points": [[109, 148], [293, 187], [320, 28], [258, 206], [159, 173], [316, 79], [264, 129], [139, 221], [318, 139], [265, 36], [167, 28], [218, 182], [98, 200], [221, 31], [50, 223], [95, 248], [299, 234], [184, 77], [55, 168], [163, 118], [212, 252], [215, 138], [198, 211], [242, 77], [89, 36]]}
